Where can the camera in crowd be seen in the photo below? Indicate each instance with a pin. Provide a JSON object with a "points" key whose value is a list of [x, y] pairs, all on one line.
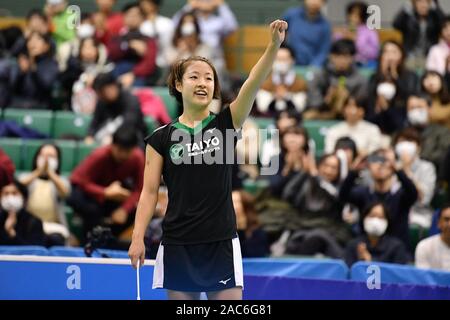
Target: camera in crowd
{"points": [[99, 237]]}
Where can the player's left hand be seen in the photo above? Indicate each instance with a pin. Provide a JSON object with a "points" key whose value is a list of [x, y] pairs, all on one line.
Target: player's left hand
{"points": [[278, 31]]}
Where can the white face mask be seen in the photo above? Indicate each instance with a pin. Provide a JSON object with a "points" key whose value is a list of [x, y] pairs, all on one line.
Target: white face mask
{"points": [[387, 90], [375, 226], [418, 116], [187, 29], [52, 163], [85, 30], [406, 147], [12, 203], [281, 67]]}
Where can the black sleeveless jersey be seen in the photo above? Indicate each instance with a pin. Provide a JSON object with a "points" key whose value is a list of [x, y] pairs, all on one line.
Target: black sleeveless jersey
{"points": [[197, 170]]}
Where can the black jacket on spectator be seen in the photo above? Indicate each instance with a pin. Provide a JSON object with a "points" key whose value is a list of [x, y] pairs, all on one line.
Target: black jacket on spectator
{"points": [[444, 172], [399, 201], [5, 83], [407, 23], [393, 118], [388, 249], [28, 230], [34, 88], [127, 105], [255, 245], [316, 201]]}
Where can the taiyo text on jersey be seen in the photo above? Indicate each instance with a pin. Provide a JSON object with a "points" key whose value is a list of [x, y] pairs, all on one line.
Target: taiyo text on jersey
{"points": [[213, 147]]}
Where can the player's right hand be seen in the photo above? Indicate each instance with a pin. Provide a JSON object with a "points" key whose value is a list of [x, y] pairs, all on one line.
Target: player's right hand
{"points": [[137, 253]]}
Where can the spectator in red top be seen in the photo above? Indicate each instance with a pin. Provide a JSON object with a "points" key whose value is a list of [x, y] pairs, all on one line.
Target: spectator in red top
{"points": [[107, 23], [107, 184], [7, 169], [133, 53]]}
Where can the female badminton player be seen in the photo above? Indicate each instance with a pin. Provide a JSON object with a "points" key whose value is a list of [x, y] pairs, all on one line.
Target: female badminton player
{"points": [[199, 251]]}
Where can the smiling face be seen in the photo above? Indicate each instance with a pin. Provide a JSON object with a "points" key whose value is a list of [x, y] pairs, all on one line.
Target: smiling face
{"points": [[329, 169], [432, 83], [197, 85]]}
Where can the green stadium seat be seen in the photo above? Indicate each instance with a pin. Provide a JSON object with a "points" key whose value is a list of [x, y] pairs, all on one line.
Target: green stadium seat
{"points": [[40, 120], [68, 153], [68, 124], [151, 124], [317, 130], [83, 151], [30, 148], [13, 148], [169, 101]]}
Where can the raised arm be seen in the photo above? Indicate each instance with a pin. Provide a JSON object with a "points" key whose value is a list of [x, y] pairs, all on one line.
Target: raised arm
{"points": [[146, 205], [240, 108]]}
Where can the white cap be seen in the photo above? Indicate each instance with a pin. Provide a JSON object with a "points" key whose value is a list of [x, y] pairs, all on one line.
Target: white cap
{"points": [[54, 2]]}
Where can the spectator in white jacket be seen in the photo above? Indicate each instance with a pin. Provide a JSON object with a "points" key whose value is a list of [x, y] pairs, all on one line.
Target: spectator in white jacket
{"points": [[434, 252], [366, 135], [438, 58]]}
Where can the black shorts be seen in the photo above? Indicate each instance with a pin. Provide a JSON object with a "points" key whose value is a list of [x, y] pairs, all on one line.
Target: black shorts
{"points": [[199, 267]]}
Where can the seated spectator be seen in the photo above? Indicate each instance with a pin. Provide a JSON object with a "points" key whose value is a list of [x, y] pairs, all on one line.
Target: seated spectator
{"points": [[36, 21], [133, 53], [71, 48], [434, 252], [17, 225], [366, 40], [374, 244], [331, 86], [7, 169], [434, 85], [283, 89], [187, 42], [435, 138], [107, 184], [47, 190], [366, 135], [115, 107], [420, 25], [438, 56], [253, 239], [407, 147], [314, 193], [398, 195], [81, 71], [309, 33], [389, 88], [158, 27], [61, 26], [107, 22], [33, 78], [215, 19], [294, 148], [283, 120]]}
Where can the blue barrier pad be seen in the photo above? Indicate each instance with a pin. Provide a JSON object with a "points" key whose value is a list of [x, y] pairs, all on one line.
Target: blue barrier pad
{"points": [[24, 250], [296, 268], [401, 274], [65, 278], [74, 280], [79, 252], [280, 288]]}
